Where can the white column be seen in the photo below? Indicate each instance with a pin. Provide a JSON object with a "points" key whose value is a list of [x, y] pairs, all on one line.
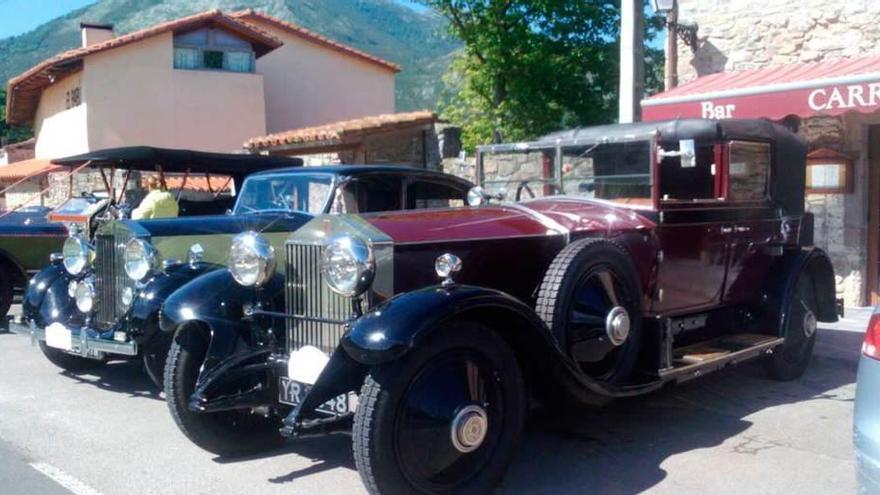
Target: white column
{"points": [[632, 61]]}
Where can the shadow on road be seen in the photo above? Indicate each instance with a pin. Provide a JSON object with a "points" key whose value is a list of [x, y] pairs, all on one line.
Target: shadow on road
{"points": [[127, 377], [621, 448]]}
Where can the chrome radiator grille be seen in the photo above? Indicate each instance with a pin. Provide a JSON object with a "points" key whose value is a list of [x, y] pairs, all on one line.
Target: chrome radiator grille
{"points": [[110, 277], [307, 295]]}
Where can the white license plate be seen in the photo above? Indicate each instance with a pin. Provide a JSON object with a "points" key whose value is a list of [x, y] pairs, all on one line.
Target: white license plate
{"points": [[58, 336], [293, 393]]}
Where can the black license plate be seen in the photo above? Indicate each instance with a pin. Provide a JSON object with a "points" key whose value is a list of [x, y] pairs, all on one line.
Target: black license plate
{"points": [[293, 393]]}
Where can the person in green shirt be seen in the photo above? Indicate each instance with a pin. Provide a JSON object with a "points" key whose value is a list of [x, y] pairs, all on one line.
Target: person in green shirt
{"points": [[158, 203]]}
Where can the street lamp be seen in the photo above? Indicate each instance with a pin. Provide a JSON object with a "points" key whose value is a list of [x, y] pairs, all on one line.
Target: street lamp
{"points": [[686, 31]]}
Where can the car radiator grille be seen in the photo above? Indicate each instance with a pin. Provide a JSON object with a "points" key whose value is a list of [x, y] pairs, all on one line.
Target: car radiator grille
{"points": [[307, 295], [110, 278]]}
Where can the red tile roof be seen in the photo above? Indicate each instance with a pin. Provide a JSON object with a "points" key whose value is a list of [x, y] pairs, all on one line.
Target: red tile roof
{"points": [[250, 14], [24, 90], [337, 131], [27, 168]]}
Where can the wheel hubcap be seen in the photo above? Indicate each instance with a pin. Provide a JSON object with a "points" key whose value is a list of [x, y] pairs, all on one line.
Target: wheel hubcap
{"points": [[617, 325], [810, 324], [469, 429]]}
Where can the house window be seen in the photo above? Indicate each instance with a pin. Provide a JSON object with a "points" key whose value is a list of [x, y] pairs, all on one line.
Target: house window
{"points": [[212, 49]]}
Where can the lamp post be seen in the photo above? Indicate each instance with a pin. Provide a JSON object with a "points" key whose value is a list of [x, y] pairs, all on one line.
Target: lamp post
{"points": [[674, 30]]}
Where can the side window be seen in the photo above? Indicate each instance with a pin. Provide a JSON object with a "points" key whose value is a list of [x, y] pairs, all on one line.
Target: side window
{"points": [[373, 193], [748, 168], [423, 194], [684, 183]]}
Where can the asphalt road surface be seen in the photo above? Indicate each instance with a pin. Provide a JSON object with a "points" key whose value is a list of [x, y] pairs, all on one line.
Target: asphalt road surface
{"points": [[108, 432]]}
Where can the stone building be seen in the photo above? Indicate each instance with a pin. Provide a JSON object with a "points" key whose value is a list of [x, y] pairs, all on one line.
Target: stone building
{"points": [[811, 64]]}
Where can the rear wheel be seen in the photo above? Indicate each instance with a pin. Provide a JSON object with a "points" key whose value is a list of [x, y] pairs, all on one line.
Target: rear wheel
{"points": [[590, 300], [790, 360], [446, 418], [227, 434], [69, 362]]}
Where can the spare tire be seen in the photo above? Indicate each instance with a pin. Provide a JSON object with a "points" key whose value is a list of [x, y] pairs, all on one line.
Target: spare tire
{"points": [[590, 299]]}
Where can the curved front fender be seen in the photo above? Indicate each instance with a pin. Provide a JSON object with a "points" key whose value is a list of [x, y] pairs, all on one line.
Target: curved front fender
{"points": [[391, 329], [46, 299], [216, 301], [143, 319]]}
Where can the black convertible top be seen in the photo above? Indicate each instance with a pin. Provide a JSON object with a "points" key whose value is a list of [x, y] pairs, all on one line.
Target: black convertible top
{"points": [[788, 175], [179, 161]]}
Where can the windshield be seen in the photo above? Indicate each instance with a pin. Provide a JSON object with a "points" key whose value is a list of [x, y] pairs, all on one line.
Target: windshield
{"points": [[85, 206], [619, 172], [290, 192]]}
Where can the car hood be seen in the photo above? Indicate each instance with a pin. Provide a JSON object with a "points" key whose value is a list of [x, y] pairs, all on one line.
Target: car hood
{"points": [[20, 223], [220, 224]]}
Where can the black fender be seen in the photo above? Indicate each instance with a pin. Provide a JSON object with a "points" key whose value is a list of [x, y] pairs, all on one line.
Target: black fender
{"points": [[142, 321], [393, 328], [217, 302], [46, 299], [780, 286]]}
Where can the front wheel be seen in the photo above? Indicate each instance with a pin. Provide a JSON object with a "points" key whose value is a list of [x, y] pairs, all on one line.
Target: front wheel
{"points": [[444, 419], [227, 434], [69, 362]]}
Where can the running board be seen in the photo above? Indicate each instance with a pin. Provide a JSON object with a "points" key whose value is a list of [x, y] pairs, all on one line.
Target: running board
{"points": [[698, 359]]}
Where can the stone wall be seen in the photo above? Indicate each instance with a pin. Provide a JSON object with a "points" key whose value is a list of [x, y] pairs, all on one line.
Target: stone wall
{"points": [[749, 34]]}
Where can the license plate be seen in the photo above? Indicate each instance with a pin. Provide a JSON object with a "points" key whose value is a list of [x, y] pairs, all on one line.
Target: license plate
{"points": [[292, 393], [58, 337]]}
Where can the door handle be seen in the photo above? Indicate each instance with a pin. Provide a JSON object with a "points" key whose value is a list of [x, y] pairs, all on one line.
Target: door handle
{"points": [[725, 229]]}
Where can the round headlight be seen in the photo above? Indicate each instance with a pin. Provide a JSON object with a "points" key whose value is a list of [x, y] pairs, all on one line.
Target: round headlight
{"points": [[140, 258], [348, 265], [251, 259], [76, 255], [85, 295]]}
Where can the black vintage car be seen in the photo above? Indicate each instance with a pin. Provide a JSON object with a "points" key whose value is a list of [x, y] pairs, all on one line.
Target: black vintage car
{"points": [[681, 247], [101, 299]]}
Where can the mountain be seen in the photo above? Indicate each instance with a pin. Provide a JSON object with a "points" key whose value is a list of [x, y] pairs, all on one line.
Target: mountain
{"points": [[415, 40]]}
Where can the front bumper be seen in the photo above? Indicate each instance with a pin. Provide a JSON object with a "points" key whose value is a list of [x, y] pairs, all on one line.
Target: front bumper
{"points": [[85, 342]]}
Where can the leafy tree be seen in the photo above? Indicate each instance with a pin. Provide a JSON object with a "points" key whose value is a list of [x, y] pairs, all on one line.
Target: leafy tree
{"points": [[9, 133], [529, 67]]}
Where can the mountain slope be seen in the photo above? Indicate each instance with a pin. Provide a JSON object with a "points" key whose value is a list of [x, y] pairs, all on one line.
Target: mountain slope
{"points": [[412, 39]]}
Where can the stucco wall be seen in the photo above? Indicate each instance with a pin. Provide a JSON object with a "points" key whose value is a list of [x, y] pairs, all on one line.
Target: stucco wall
{"points": [[307, 84], [135, 96], [745, 34], [60, 131]]}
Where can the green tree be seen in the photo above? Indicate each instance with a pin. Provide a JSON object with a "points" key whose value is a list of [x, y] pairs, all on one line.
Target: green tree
{"points": [[529, 67], [10, 134]]}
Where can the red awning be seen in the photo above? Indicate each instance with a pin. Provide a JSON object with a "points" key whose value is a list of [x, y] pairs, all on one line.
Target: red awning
{"points": [[819, 88]]}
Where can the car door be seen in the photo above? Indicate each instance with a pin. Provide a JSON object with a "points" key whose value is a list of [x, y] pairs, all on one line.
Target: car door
{"points": [[755, 223], [692, 232]]}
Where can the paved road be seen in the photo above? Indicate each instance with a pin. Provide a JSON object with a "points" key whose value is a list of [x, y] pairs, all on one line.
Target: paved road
{"points": [[108, 432]]}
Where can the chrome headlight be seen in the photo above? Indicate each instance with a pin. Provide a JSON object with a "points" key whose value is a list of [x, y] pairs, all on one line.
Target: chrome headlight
{"points": [[251, 259], [140, 258], [348, 265], [85, 295], [76, 255]]}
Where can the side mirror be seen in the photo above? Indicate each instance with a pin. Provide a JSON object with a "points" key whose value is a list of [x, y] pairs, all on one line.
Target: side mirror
{"points": [[228, 212], [478, 196], [686, 152]]}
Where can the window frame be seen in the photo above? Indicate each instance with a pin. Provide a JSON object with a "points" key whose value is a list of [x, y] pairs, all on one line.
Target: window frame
{"points": [[212, 46]]}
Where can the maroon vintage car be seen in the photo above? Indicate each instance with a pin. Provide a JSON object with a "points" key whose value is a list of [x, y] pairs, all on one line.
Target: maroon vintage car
{"points": [[592, 264]]}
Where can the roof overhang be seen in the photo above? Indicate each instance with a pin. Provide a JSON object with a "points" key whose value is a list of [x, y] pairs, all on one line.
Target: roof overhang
{"points": [[803, 90]]}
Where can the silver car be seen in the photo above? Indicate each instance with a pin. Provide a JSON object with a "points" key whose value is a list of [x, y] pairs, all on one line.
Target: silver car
{"points": [[867, 410]]}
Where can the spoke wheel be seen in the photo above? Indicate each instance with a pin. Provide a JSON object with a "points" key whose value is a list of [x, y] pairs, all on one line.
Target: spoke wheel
{"points": [[445, 419], [590, 300]]}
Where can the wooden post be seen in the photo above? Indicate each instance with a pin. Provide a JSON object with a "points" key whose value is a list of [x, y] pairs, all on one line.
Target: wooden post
{"points": [[872, 291], [632, 61], [671, 70]]}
